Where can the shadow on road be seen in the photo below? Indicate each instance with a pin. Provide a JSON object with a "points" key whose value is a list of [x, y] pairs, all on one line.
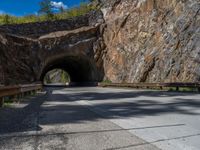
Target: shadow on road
{"points": [[62, 109]]}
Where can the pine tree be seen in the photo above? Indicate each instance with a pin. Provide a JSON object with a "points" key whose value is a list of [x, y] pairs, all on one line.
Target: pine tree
{"points": [[46, 8], [7, 19]]}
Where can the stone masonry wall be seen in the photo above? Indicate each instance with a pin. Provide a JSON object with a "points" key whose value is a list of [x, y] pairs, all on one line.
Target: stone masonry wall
{"points": [[37, 29]]}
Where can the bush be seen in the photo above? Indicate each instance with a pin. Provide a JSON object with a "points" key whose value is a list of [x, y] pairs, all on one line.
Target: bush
{"points": [[65, 14]]}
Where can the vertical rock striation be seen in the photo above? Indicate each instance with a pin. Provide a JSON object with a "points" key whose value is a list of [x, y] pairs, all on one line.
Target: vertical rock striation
{"points": [[152, 40]]}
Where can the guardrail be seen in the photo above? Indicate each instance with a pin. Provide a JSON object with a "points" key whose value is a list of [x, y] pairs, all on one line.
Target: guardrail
{"points": [[6, 91], [153, 85]]}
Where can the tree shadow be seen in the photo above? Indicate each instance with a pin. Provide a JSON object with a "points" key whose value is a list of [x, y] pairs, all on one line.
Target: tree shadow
{"points": [[13, 119], [127, 94], [61, 108]]}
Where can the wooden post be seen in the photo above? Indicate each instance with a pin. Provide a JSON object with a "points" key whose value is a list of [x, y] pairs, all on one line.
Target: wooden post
{"points": [[1, 102], [15, 98], [33, 92], [22, 95], [177, 88], [18, 98]]}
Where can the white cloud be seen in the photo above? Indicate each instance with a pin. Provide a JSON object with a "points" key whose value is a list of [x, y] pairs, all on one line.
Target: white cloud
{"points": [[58, 5]]}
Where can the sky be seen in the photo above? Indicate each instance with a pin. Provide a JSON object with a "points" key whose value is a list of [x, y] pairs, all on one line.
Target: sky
{"points": [[27, 7]]}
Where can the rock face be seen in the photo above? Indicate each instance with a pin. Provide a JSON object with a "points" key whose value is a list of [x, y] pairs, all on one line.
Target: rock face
{"points": [[26, 56], [128, 41], [152, 40]]}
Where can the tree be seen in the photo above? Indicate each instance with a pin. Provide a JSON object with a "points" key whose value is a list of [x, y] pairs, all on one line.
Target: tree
{"points": [[62, 10], [7, 19], [46, 8]]}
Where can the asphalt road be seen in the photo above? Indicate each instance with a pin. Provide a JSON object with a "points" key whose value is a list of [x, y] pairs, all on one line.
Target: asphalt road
{"points": [[102, 119]]}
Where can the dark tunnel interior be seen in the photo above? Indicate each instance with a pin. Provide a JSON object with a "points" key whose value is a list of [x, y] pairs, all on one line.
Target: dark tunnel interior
{"points": [[79, 69]]}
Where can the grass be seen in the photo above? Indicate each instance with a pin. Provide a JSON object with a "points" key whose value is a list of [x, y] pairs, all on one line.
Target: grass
{"points": [[7, 103], [69, 13], [183, 89], [10, 100], [107, 81], [170, 89]]}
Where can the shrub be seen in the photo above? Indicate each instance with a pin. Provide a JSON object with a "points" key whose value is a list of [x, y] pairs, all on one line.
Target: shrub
{"points": [[64, 14]]}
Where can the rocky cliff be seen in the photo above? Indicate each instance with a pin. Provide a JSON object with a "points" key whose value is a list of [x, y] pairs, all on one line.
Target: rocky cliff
{"points": [[152, 40], [127, 41]]}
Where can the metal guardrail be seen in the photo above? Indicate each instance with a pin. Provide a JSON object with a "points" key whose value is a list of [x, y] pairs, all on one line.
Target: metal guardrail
{"points": [[153, 85], [17, 90]]}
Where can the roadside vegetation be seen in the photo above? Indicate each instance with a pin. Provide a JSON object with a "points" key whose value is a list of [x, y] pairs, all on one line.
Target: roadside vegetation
{"points": [[107, 81], [57, 76], [48, 13]]}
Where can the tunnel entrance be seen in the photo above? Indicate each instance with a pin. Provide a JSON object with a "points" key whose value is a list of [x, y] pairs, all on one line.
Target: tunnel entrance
{"points": [[79, 69], [56, 77]]}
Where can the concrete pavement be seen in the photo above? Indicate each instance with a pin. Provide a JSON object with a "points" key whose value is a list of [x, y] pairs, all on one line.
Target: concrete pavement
{"points": [[103, 119], [57, 121]]}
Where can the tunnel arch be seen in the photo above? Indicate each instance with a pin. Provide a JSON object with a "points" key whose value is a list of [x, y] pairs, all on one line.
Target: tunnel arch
{"points": [[80, 69]]}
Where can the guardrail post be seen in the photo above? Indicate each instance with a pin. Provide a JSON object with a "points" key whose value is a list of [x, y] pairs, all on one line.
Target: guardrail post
{"points": [[1, 102], [18, 98], [22, 95], [177, 88], [15, 98]]}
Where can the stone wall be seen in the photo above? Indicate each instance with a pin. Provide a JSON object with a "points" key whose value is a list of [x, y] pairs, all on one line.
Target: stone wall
{"points": [[40, 28], [27, 52], [152, 40]]}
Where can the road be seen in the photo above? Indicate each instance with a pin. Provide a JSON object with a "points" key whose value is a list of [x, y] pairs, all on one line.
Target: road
{"points": [[96, 118]]}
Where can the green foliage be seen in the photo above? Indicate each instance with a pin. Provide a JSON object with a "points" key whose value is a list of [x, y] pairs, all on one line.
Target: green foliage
{"points": [[47, 14], [64, 77], [46, 8], [7, 19], [56, 76], [107, 81], [183, 89], [74, 12]]}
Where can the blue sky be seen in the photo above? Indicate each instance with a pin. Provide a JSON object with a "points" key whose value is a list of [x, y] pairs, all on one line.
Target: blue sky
{"points": [[26, 7]]}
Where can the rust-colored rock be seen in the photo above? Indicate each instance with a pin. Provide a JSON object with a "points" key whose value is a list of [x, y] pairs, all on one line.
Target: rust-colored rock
{"points": [[152, 40]]}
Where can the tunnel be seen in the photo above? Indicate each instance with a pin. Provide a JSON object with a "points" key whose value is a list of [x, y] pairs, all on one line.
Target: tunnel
{"points": [[80, 69]]}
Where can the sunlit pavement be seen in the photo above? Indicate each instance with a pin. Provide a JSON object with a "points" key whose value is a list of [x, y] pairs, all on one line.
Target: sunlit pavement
{"points": [[103, 118]]}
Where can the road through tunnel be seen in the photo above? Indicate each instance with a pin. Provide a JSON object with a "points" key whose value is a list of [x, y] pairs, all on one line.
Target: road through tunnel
{"points": [[79, 69]]}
